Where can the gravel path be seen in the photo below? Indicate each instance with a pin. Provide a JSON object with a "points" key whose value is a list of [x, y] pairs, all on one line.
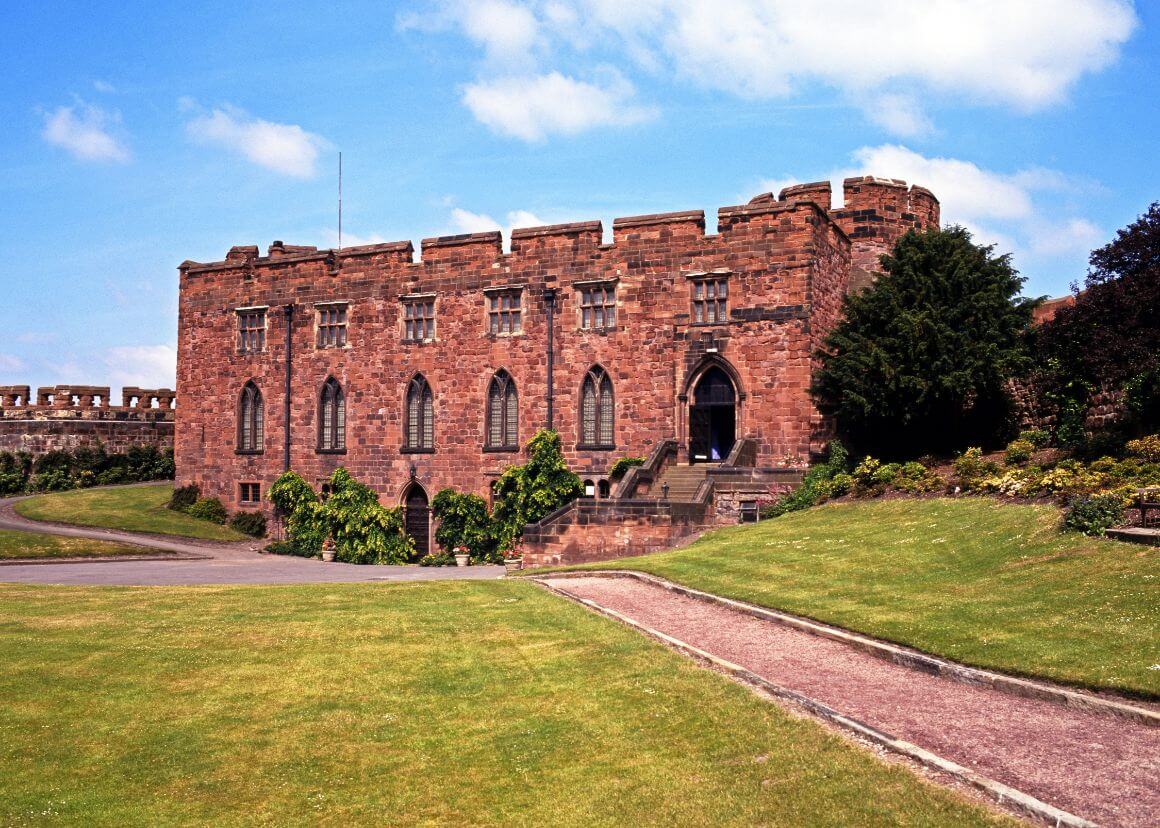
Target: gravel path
{"points": [[196, 562], [1098, 766]]}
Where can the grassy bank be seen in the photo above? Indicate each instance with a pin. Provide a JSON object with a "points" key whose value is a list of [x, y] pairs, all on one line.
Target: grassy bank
{"points": [[130, 508], [972, 579], [455, 703], [31, 545]]}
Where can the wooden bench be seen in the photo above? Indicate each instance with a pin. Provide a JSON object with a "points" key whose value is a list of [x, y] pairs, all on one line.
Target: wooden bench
{"points": [[1146, 501]]}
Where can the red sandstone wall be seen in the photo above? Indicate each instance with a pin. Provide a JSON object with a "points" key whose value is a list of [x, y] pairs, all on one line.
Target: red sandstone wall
{"points": [[781, 256]]}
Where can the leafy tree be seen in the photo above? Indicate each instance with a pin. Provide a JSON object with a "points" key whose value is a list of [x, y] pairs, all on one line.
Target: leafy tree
{"points": [[525, 494], [919, 361], [1110, 337]]}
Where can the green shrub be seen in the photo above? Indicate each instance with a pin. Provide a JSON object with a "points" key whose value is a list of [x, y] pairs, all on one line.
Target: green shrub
{"points": [[249, 523], [183, 497], [14, 472], [1146, 448], [1018, 452], [464, 520], [208, 508], [970, 468], [1037, 437], [289, 547], [821, 482], [437, 559], [916, 478], [1094, 514], [298, 505], [525, 494], [620, 467]]}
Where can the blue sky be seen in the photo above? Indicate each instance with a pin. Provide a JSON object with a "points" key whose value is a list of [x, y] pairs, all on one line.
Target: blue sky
{"points": [[135, 135]]}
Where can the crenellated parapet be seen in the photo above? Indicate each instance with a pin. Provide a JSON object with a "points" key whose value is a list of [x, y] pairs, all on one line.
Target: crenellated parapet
{"points": [[90, 402]]}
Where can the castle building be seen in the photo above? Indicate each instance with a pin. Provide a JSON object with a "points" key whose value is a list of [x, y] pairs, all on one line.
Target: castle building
{"points": [[694, 351]]}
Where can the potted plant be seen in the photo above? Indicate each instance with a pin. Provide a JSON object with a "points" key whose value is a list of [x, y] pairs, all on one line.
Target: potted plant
{"points": [[328, 550], [513, 559], [462, 555]]}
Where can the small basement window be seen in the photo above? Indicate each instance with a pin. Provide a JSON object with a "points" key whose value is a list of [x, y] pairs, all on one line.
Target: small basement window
{"points": [[249, 493], [749, 513]]}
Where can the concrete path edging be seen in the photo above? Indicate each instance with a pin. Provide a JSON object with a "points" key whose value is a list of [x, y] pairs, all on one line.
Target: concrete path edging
{"points": [[1002, 794], [893, 652]]}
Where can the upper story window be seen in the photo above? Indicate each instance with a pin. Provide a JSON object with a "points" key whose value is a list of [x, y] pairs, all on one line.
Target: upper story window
{"points": [[418, 318], [332, 319], [504, 311], [332, 417], [503, 418], [419, 430], [250, 436], [710, 300], [251, 330], [597, 306]]}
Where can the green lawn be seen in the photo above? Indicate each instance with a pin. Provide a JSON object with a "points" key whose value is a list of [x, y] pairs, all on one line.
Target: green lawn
{"points": [[972, 579], [31, 545], [131, 508], [451, 703]]}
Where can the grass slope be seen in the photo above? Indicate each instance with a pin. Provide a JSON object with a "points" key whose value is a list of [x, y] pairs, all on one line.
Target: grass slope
{"points": [[31, 545], [454, 703], [130, 508], [971, 579]]}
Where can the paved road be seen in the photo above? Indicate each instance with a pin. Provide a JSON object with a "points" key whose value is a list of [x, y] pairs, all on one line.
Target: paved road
{"points": [[203, 562], [1099, 766]]}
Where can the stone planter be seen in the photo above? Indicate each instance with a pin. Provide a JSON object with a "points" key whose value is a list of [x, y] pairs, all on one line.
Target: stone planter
{"points": [[462, 560], [328, 551], [513, 564]]}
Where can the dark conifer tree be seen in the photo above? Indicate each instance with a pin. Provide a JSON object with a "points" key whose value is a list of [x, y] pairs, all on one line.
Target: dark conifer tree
{"points": [[919, 361]]}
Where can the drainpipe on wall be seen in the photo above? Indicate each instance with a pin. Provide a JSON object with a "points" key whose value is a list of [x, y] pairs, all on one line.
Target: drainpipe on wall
{"points": [[550, 302], [288, 311]]}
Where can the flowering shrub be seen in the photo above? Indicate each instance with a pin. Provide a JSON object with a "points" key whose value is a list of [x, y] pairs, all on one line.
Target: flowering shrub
{"points": [[1094, 514], [1037, 437], [916, 478], [970, 468], [1018, 452], [1146, 448]]}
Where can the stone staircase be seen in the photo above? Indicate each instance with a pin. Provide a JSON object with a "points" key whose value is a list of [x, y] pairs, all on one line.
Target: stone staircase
{"points": [[683, 481]]}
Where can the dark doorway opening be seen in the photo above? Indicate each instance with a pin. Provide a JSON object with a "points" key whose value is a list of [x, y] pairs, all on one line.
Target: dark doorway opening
{"points": [[418, 519], [712, 418]]}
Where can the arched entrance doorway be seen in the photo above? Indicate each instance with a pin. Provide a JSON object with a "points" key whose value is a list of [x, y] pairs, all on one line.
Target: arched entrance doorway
{"points": [[712, 417], [417, 518]]}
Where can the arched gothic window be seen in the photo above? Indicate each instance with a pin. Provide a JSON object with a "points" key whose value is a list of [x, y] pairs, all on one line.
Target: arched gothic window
{"points": [[250, 436], [332, 417], [419, 431], [503, 417], [596, 407]]}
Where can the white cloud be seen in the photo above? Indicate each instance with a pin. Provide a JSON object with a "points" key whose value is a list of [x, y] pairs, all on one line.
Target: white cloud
{"points": [[465, 221], [532, 107], [888, 58], [84, 131], [147, 366], [899, 115], [350, 239], [104, 86], [284, 148], [10, 362], [1077, 235]]}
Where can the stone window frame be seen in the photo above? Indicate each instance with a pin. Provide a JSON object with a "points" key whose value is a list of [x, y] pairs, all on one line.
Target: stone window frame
{"points": [[251, 420], [494, 312], [601, 435], [502, 390], [257, 332], [709, 295], [331, 418], [427, 320], [609, 295], [336, 330], [248, 488], [419, 423]]}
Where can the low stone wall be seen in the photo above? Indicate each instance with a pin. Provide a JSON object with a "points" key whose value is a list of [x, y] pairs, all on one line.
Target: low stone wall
{"points": [[65, 417]]}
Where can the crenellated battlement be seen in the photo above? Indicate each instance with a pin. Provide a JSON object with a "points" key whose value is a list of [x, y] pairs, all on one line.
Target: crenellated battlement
{"points": [[86, 402], [875, 213]]}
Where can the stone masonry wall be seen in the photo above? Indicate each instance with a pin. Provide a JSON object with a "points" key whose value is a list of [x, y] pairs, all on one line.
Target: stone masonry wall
{"points": [[65, 417], [787, 262]]}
